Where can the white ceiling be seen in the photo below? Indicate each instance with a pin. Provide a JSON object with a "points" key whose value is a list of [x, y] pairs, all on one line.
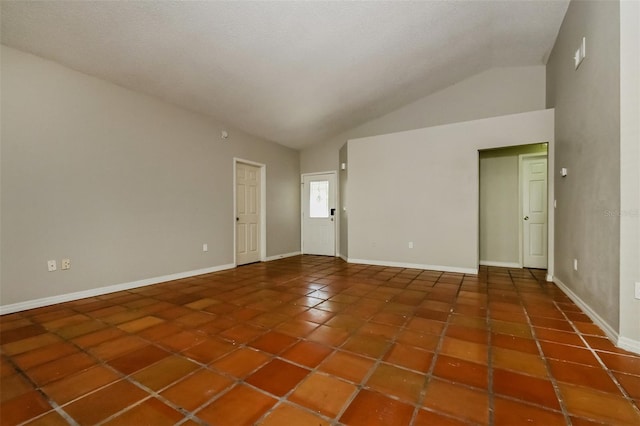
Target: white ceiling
{"points": [[292, 72]]}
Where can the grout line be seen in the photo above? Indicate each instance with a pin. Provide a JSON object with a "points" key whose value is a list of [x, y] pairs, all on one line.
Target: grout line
{"points": [[552, 379]]}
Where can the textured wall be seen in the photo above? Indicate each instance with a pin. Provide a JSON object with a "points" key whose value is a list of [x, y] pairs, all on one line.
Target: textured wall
{"points": [[587, 134]]}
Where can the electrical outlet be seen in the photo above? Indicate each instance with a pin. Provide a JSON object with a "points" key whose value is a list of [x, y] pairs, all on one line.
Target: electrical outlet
{"points": [[51, 265], [205, 247], [65, 264], [575, 264], [410, 244], [637, 295]]}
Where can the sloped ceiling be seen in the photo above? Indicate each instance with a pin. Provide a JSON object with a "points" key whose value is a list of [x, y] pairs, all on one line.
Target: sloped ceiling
{"points": [[292, 72]]}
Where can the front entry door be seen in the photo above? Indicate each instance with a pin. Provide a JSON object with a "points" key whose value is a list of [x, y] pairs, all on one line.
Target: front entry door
{"points": [[247, 213], [534, 211], [319, 214]]}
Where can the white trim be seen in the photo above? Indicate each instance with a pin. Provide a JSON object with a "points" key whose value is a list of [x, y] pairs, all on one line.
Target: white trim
{"points": [[263, 206], [549, 278], [52, 300], [629, 344], [597, 319], [454, 269], [281, 256], [501, 264], [343, 257]]}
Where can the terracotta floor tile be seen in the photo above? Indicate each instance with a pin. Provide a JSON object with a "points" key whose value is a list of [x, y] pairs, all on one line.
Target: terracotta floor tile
{"points": [[273, 342], [138, 359], [511, 328], [527, 388], [182, 340], [425, 325], [241, 362], [460, 402], [509, 413], [21, 333], [409, 357], [464, 372], [52, 418], [277, 377], [621, 363], [323, 394], [390, 319], [296, 328], [209, 350], [578, 374], [97, 337], [44, 354], [589, 328], [469, 351], [107, 401], [140, 324], [240, 406], [347, 366], [317, 316], [553, 323], [59, 368], [514, 343], [165, 372], [521, 362], [285, 414], [29, 344], [13, 385], [22, 408], [307, 353], [468, 333], [631, 384], [401, 383], [373, 409], [419, 339], [383, 330], [429, 418], [74, 386], [568, 353], [196, 389], [117, 347], [372, 346], [150, 412], [600, 406], [328, 335], [242, 333]]}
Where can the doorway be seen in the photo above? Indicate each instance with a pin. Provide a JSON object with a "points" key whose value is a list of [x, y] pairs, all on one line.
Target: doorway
{"points": [[249, 220], [319, 216], [502, 223]]}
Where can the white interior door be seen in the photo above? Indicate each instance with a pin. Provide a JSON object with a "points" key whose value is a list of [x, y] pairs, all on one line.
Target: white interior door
{"points": [[248, 207], [534, 211], [319, 214]]}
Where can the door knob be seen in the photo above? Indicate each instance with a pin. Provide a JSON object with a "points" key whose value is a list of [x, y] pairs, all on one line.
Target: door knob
{"points": [[526, 218]]}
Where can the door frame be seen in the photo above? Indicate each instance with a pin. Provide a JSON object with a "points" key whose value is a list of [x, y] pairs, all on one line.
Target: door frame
{"points": [[521, 159], [336, 201], [263, 205]]}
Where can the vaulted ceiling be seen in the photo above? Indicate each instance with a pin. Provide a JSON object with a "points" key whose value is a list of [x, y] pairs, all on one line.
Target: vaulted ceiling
{"points": [[292, 72]]}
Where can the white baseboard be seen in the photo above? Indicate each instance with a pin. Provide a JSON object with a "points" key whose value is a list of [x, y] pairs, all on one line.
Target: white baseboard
{"points": [[454, 269], [500, 264], [282, 256], [629, 344], [343, 257], [597, 319], [549, 278], [52, 300]]}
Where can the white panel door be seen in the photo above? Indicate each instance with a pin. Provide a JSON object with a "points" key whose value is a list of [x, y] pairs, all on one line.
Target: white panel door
{"points": [[247, 214], [534, 212], [319, 214]]}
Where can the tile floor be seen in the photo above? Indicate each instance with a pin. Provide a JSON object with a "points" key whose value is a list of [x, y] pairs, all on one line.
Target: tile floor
{"points": [[314, 341]]}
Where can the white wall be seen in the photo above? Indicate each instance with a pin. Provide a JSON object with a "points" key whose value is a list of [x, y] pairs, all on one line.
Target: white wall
{"points": [[492, 93], [629, 173], [422, 186], [126, 186]]}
